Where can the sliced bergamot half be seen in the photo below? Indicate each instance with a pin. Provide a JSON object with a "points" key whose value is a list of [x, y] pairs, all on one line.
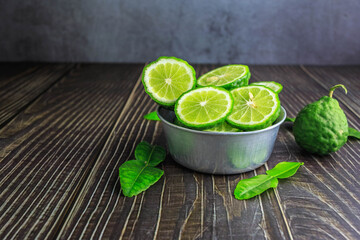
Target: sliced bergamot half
{"points": [[275, 86], [204, 107], [220, 127], [255, 107], [230, 76], [167, 78]]}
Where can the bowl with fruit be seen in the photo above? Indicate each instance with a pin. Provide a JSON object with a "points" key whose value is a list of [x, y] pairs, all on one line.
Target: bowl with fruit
{"points": [[218, 123]]}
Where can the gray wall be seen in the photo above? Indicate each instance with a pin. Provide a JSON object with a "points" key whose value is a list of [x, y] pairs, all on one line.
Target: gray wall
{"points": [[212, 31]]}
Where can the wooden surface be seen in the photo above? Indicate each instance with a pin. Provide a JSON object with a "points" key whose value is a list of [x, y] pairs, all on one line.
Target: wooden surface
{"points": [[66, 128]]}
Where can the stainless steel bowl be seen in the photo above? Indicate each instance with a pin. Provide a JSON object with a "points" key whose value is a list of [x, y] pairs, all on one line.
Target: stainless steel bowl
{"points": [[219, 152]]}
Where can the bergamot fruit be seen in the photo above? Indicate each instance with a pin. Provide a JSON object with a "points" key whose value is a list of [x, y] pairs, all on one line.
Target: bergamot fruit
{"points": [[321, 127]]}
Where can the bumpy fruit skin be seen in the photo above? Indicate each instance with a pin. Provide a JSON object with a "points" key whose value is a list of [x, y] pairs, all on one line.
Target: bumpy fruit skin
{"points": [[321, 127], [244, 82]]}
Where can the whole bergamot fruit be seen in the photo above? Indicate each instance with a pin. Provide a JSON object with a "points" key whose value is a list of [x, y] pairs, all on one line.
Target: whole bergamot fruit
{"points": [[321, 127]]}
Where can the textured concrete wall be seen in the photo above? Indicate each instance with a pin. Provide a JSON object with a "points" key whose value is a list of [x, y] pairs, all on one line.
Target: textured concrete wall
{"points": [[211, 31]]}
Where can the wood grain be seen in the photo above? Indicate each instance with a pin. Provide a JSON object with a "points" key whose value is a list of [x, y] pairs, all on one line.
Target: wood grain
{"points": [[21, 84], [322, 200], [60, 153], [182, 205], [48, 150]]}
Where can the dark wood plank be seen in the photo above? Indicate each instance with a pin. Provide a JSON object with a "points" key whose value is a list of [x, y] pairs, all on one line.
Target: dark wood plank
{"points": [[21, 84], [182, 205], [9, 71], [48, 150], [322, 200]]}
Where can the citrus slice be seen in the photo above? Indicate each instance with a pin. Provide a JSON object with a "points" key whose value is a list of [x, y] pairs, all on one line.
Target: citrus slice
{"points": [[256, 107], [230, 76], [177, 122], [276, 87], [204, 107], [167, 78], [222, 127]]}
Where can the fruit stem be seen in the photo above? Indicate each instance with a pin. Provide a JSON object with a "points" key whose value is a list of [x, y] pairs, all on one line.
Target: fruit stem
{"points": [[335, 87]]}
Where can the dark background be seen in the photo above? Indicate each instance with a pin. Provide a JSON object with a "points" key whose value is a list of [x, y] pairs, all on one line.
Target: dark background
{"points": [[212, 31]]}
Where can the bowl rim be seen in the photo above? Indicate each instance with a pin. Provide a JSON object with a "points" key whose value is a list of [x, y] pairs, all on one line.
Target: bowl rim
{"points": [[219, 133]]}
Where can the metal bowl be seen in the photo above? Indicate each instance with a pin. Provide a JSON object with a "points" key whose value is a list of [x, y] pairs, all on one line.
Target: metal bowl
{"points": [[219, 152]]}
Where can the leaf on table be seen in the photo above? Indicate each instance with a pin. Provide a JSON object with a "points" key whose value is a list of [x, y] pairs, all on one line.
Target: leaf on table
{"points": [[152, 116], [290, 119], [248, 188], [354, 133], [136, 177], [284, 169], [148, 154]]}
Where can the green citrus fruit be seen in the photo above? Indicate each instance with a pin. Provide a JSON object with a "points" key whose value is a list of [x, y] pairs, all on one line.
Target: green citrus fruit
{"points": [[230, 76], [177, 122], [255, 107], [204, 107], [321, 127], [167, 78], [220, 127], [275, 86]]}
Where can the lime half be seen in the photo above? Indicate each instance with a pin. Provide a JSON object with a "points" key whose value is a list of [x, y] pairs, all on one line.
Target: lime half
{"points": [[222, 127], [276, 87], [230, 76], [204, 107], [177, 122], [255, 107], [167, 78]]}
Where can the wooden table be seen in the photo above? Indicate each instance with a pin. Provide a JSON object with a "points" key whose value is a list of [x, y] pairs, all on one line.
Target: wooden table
{"points": [[66, 129]]}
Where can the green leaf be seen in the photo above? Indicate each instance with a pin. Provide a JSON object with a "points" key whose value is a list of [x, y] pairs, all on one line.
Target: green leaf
{"points": [[251, 187], [290, 119], [284, 169], [354, 133], [136, 177], [151, 155], [248, 188], [152, 116]]}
